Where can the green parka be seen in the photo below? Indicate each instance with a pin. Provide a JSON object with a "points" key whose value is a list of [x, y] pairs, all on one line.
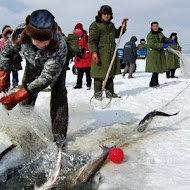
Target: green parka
{"points": [[172, 60], [156, 59], [72, 45], [102, 40]]}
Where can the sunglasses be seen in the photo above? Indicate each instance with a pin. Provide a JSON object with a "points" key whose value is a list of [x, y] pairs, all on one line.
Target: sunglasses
{"points": [[106, 14]]}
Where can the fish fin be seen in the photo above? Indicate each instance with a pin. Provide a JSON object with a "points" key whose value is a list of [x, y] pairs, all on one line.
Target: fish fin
{"points": [[105, 147]]}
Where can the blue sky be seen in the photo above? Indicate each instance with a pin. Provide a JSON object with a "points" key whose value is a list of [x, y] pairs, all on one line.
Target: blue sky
{"points": [[171, 14]]}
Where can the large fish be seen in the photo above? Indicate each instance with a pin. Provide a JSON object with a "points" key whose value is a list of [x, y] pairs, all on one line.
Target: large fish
{"points": [[51, 181], [88, 170], [147, 119]]}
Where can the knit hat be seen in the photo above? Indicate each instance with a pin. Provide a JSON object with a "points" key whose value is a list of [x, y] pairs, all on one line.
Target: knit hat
{"points": [[106, 9], [79, 26]]}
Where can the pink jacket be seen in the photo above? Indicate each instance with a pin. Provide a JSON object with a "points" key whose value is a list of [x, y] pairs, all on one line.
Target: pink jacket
{"points": [[4, 37]]}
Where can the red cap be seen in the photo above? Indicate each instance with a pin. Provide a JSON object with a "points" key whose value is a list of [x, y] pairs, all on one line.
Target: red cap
{"points": [[79, 26]]}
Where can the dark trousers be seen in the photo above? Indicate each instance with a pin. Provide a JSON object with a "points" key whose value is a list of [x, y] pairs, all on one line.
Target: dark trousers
{"points": [[154, 79], [15, 78], [129, 67], [98, 85], [58, 102], [80, 74], [170, 73]]}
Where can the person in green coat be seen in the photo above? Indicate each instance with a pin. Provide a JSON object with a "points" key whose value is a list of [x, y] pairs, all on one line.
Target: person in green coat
{"points": [[172, 60], [156, 59], [102, 34]]}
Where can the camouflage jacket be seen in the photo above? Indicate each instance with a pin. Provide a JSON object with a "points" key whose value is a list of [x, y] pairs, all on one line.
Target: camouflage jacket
{"points": [[48, 64]]}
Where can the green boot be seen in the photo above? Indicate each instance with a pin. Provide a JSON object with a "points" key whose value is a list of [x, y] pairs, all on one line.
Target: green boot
{"points": [[109, 86], [115, 96], [97, 85]]}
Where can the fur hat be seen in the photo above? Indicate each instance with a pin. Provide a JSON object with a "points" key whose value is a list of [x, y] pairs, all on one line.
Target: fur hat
{"points": [[40, 25], [173, 34], [106, 9], [79, 26], [143, 40]]}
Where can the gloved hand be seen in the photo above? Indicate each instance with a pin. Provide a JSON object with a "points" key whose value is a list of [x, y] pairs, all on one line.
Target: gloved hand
{"points": [[11, 100], [4, 78], [95, 57], [124, 21], [171, 41], [81, 52], [165, 46]]}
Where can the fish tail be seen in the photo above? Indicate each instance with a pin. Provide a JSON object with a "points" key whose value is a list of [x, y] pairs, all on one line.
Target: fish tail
{"points": [[159, 113]]}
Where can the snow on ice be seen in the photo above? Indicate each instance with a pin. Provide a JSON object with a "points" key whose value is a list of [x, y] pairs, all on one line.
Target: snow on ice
{"points": [[158, 159]]}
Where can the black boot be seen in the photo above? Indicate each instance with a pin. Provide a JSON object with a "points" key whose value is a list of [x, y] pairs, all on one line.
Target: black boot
{"points": [[173, 73], [168, 74], [77, 87], [154, 80]]}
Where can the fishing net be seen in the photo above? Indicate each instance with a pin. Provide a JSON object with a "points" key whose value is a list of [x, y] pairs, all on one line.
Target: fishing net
{"points": [[26, 128], [184, 62]]}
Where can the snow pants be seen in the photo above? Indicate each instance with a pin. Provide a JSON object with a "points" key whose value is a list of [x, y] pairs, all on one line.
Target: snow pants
{"points": [[58, 102], [80, 74]]}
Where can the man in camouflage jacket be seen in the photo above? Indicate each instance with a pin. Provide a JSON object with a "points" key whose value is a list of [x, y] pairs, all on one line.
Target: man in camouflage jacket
{"points": [[45, 52]]}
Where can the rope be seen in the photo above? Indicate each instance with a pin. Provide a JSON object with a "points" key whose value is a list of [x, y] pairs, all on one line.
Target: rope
{"points": [[175, 97]]}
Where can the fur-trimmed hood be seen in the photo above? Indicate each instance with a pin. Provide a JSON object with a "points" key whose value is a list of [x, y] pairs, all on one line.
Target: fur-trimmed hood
{"points": [[6, 31]]}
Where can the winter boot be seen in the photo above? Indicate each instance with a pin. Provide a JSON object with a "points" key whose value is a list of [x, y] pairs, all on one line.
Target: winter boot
{"points": [[77, 87], [168, 74], [115, 96], [173, 73]]}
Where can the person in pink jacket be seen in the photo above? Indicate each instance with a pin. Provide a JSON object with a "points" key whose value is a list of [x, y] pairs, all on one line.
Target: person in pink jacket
{"points": [[6, 33], [83, 58]]}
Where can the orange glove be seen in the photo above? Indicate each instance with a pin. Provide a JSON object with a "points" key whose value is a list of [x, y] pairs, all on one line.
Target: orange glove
{"points": [[11, 100], [4, 78], [95, 57]]}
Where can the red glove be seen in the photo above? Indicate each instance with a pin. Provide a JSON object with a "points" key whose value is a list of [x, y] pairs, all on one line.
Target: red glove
{"points": [[11, 100], [95, 57], [4, 78], [124, 22]]}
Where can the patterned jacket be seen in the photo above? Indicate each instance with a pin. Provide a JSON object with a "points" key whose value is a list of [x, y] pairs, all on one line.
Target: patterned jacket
{"points": [[48, 64]]}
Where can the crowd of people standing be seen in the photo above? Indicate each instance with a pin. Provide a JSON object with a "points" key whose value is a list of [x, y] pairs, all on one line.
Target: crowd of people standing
{"points": [[47, 52]]}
